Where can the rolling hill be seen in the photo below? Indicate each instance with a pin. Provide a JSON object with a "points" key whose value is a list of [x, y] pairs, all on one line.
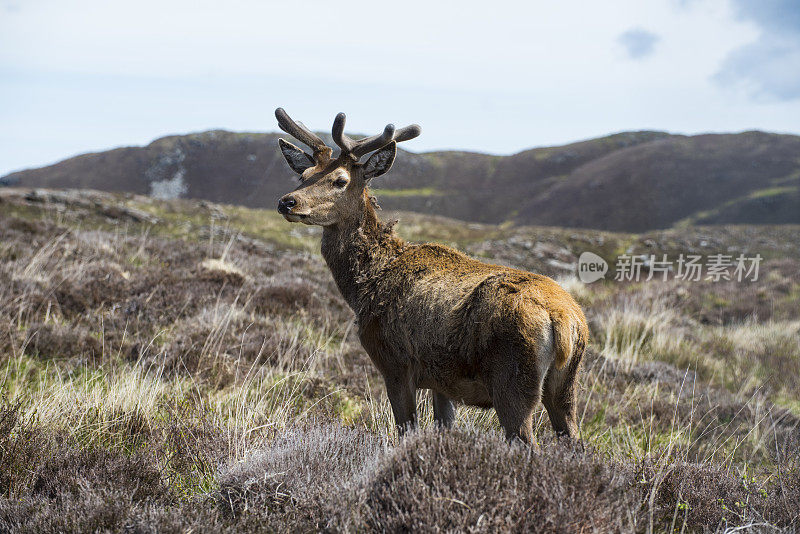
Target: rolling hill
{"points": [[631, 181]]}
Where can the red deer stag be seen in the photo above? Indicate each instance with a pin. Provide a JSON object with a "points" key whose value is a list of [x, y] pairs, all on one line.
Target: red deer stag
{"points": [[429, 316]]}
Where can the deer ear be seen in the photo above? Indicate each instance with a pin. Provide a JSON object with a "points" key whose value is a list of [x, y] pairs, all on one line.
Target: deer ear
{"points": [[297, 159], [380, 162]]}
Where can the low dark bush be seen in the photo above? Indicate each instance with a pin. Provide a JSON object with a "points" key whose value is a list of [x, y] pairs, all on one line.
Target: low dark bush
{"points": [[63, 341], [307, 477], [288, 296], [476, 482], [708, 497], [71, 474], [102, 283]]}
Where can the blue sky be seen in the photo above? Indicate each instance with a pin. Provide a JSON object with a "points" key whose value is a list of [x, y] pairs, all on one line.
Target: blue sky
{"points": [[494, 77]]}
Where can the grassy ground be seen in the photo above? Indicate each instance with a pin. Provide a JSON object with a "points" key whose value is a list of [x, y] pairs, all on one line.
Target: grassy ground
{"points": [[177, 366]]}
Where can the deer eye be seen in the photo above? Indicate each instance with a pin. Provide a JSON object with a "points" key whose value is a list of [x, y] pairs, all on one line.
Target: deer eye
{"points": [[340, 182]]}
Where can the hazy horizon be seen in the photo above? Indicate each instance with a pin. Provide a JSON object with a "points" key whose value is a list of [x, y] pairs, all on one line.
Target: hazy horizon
{"points": [[404, 147]]}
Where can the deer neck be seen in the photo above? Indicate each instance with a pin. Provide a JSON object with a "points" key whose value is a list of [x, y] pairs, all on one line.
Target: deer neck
{"points": [[357, 251]]}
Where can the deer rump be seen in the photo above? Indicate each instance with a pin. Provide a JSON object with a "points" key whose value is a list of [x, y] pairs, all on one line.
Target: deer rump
{"points": [[465, 328]]}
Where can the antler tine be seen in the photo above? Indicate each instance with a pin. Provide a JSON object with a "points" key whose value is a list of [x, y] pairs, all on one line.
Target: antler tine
{"points": [[339, 137], [300, 132], [360, 147], [407, 133], [368, 144]]}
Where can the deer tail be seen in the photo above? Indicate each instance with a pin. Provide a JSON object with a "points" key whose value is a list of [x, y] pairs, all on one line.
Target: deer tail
{"points": [[569, 337]]}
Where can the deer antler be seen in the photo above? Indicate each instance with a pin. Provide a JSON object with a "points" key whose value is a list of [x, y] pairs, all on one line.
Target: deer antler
{"points": [[299, 131], [357, 148]]}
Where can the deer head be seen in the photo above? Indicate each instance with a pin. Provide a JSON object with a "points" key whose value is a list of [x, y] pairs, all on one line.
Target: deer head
{"points": [[334, 189]]}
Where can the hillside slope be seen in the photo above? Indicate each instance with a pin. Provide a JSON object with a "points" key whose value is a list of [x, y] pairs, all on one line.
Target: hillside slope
{"points": [[632, 181], [751, 177]]}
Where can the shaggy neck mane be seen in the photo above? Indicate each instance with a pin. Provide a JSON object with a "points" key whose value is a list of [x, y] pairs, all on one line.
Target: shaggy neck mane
{"points": [[357, 251]]}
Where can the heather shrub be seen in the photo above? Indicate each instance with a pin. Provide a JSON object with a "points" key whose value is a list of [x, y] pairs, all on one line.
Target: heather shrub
{"points": [[307, 476], [49, 483], [20, 449], [94, 511], [55, 340], [70, 474], [286, 295], [91, 286], [707, 497], [476, 482]]}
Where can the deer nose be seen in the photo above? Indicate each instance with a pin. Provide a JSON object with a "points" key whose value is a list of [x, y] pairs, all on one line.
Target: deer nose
{"points": [[286, 204]]}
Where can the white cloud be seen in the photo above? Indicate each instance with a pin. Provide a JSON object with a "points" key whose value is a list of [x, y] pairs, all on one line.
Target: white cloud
{"points": [[768, 67]]}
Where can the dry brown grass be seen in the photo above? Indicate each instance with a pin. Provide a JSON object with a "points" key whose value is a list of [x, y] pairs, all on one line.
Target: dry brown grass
{"points": [[189, 375]]}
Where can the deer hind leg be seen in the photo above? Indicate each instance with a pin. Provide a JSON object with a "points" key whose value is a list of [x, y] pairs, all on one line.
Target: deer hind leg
{"points": [[403, 397], [516, 421], [444, 413], [516, 391], [559, 398]]}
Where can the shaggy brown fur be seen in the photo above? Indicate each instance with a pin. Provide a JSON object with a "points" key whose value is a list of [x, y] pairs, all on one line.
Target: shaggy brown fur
{"points": [[430, 317]]}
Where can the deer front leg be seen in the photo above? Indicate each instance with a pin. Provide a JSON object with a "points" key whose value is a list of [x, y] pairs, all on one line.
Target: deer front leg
{"points": [[444, 413], [402, 396]]}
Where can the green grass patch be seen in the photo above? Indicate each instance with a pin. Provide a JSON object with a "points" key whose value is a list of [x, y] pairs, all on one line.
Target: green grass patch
{"points": [[401, 193]]}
